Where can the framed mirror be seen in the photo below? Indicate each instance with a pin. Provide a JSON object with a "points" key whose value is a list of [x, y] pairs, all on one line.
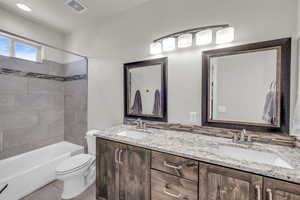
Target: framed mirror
{"points": [[248, 86], [145, 89]]}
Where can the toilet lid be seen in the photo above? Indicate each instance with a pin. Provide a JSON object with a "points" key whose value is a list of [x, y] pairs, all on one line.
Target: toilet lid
{"points": [[74, 162]]}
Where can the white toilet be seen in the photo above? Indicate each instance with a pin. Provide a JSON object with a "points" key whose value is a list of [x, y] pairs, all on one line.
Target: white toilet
{"points": [[78, 172]]}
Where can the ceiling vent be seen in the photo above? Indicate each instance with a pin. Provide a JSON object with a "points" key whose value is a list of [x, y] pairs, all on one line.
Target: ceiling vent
{"points": [[76, 5]]}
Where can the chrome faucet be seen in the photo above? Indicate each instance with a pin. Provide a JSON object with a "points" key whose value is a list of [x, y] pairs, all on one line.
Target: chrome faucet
{"points": [[241, 137], [144, 125], [139, 124]]}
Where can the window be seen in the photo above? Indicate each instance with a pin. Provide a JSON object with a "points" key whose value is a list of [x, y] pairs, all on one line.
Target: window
{"points": [[20, 49], [5, 46], [26, 52]]}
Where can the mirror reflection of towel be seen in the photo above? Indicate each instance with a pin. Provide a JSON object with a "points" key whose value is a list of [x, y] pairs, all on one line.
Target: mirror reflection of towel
{"points": [[270, 108], [157, 103], [137, 107]]}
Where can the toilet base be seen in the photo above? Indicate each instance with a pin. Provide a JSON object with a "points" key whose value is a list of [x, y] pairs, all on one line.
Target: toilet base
{"points": [[75, 186]]}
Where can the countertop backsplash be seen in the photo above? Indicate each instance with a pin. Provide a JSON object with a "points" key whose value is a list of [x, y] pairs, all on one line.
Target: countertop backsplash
{"points": [[261, 137]]}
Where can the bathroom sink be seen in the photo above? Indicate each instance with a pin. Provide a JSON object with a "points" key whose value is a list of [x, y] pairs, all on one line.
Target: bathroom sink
{"points": [[250, 155], [133, 134]]}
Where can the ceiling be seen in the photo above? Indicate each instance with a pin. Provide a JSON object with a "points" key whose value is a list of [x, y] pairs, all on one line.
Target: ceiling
{"points": [[55, 14]]}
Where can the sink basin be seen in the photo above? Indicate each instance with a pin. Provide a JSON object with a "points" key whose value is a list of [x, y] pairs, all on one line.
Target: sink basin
{"points": [[133, 134], [262, 157]]}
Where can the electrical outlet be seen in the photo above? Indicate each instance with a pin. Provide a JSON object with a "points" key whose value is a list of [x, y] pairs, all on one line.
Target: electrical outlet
{"points": [[193, 117]]}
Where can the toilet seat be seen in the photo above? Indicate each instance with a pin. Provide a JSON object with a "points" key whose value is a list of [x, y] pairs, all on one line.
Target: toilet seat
{"points": [[74, 164]]}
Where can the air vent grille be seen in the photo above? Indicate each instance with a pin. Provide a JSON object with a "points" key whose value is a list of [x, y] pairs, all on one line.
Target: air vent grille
{"points": [[76, 5]]}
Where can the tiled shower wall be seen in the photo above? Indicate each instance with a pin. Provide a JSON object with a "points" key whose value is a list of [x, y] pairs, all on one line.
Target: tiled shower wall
{"points": [[32, 110], [76, 104]]}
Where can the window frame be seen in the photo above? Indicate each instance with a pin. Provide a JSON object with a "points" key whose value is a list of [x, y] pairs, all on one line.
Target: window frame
{"points": [[10, 45], [12, 48]]}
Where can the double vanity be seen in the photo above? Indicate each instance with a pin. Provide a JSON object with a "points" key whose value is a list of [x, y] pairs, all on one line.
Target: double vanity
{"points": [[243, 87], [155, 164]]}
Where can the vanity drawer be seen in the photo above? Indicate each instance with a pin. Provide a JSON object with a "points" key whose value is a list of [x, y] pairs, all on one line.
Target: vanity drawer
{"points": [[168, 187], [178, 166]]}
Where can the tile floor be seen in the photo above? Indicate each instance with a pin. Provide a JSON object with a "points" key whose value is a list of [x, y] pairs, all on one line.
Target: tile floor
{"points": [[53, 191]]}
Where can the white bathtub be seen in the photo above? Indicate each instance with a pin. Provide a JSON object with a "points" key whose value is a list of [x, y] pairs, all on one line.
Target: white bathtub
{"points": [[25, 173]]}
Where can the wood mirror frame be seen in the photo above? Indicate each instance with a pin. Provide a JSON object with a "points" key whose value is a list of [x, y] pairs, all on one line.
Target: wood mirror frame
{"points": [[164, 89], [284, 78]]}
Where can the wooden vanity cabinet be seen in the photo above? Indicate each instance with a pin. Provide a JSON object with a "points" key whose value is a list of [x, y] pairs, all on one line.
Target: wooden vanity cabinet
{"points": [[219, 183], [127, 172], [123, 172], [280, 190]]}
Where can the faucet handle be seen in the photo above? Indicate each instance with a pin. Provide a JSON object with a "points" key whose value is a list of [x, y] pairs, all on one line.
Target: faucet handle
{"points": [[244, 131], [136, 122], [144, 125], [243, 134], [250, 138], [234, 137]]}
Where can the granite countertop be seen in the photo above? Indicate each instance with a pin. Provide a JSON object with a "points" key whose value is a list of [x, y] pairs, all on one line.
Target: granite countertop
{"points": [[207, 149]]}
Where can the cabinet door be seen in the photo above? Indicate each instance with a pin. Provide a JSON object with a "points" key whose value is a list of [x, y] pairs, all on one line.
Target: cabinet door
{"points": [[107, 170], [280, 190], [135, 174], [219, 183]]}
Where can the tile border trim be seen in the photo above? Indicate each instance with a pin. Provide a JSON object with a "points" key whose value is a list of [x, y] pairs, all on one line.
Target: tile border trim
{"points": [[12, 72]]}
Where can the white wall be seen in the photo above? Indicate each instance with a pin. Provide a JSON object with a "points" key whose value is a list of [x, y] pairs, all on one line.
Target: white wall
{"points": [[298, 18], [296, 118], [127, 37], [39, 32]]}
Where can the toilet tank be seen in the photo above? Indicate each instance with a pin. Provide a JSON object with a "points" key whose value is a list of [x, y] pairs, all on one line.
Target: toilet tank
{"points": [[91, 141]]}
